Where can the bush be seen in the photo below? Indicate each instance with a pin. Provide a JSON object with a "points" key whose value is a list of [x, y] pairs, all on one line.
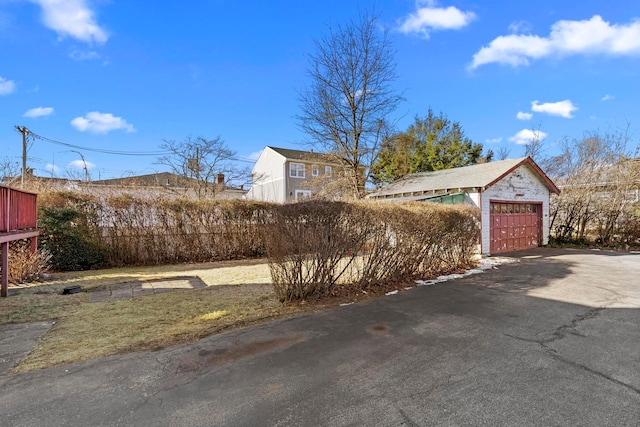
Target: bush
{"points": [[25, 266], [312, 246], [84, 231], [140, 231], [68, 241], [629, 228]]}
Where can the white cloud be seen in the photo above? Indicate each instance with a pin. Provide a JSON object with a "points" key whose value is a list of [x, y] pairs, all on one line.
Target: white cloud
{"points": [[523, 116], [39, 112], [520, 27], [81, 164], [588, 37], [81, 55], [494, 140], [72, 18], [97, 122], [525, 136], [561, 108], [430, 17], [7, 86], [52, 169], [607, 97]]}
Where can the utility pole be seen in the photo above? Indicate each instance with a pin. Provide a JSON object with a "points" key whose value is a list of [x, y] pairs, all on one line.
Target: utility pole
{"points": [[24, 131]]}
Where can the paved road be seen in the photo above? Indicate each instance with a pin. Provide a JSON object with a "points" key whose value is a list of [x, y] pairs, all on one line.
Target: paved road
{"points": [[552, 339]]}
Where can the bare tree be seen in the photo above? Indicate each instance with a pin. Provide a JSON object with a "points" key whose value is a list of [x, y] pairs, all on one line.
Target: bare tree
{"points": [[9, 169], [345, 108], [503, 153], [200, 162], [599, 180], [535, 147]]}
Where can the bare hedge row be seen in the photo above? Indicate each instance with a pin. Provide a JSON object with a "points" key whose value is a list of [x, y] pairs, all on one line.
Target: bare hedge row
{"points": [[315, 245], [311, 246], [127, 230]]}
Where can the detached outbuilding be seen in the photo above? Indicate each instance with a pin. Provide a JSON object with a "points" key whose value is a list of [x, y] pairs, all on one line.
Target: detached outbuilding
{"points": [[513, 196]]}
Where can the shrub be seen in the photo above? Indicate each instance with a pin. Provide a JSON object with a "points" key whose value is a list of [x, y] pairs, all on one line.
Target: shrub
{"points": [[67, 240], [629, 228], [25, 266], [310, 245], [140, 231], [314, 245], [86, 231]]}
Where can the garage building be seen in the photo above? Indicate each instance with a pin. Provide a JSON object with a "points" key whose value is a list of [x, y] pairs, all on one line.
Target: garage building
{"points": [[513, 196]]}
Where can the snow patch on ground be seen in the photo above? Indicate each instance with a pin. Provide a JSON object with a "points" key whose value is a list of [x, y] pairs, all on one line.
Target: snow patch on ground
{"points": [[485, 264]]}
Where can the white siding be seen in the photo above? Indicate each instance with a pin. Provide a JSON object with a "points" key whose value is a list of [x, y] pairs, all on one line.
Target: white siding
{"points": [[473, 198], [521, 185], [268, 178]]}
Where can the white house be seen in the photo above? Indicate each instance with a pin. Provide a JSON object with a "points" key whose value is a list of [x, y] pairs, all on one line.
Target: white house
{"points": [[513, 197], [283, 175]]}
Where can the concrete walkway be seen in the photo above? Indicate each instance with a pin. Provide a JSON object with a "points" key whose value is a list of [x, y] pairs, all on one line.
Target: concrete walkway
{"points": [[17, 340], [140, 289]]}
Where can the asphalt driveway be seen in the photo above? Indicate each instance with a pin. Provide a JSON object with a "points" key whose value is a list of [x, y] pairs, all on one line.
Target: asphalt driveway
{"points": [[550, 339]]}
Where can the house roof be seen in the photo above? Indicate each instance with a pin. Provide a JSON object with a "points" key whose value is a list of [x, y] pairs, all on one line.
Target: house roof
{"points": [[480, 176], [302, 155], [159, 179]]}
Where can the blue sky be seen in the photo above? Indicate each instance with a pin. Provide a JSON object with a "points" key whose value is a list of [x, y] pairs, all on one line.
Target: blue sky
{"points": [[124, 75]]}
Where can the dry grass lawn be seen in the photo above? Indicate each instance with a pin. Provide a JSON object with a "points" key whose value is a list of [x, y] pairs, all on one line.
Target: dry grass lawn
{"points": [[239, 294]]}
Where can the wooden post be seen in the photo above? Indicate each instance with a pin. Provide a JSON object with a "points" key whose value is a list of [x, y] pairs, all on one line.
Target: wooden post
{"points": [[4, 285], [4, 277]]}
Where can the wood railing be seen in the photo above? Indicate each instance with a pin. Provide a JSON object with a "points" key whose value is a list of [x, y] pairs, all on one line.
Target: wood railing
{"points": [[18, 220]]}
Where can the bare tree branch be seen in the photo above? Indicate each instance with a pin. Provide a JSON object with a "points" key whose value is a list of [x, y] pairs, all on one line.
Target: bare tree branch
{"points": [[199, 161], [349, 98]]}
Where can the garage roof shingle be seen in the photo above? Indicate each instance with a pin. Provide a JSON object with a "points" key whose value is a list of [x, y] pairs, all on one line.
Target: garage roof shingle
{"points": [[479, 176]]}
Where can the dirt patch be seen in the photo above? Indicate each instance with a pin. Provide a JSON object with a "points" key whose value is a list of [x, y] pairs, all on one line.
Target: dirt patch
{"points": [[222, 355], [379, 329]]}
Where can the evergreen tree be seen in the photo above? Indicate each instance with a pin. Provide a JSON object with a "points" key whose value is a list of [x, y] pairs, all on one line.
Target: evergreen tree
{"points": [[431, 143]]}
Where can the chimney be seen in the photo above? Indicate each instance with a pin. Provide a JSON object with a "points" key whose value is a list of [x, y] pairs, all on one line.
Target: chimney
{"points": [[220, 179]]}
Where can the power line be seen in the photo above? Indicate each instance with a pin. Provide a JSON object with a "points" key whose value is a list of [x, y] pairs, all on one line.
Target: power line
{"points": [[99, 150], [242, 159], [117, 152]]}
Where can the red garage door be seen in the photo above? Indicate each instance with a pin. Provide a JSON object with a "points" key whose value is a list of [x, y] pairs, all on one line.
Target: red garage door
{"points": [[515, 226]]}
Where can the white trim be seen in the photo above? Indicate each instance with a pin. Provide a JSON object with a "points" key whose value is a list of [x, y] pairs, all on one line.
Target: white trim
{"points": [[297, 170], [302, 194]]}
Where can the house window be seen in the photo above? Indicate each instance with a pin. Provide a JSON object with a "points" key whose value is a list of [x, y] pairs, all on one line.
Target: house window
{"points": [[296, 170], [314, 170], [302, 194], [328, 171]]}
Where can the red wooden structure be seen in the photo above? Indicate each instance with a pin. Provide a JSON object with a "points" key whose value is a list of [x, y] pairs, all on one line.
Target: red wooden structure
{"points": [[18, 220]]}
